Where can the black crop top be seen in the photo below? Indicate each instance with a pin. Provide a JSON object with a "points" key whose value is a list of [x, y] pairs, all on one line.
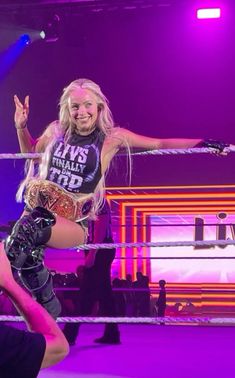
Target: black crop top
{"points": [[76, 165]]}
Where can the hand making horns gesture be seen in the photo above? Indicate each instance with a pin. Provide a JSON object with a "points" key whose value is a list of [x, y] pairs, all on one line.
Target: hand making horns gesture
{"points": [[21, 112]]}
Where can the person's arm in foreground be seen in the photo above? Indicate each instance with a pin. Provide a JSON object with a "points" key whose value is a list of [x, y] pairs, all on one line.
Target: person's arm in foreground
{"points": [[37, 318]]}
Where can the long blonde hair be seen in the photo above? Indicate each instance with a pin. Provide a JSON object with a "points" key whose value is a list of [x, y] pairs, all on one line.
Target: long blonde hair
{"points": [[105, 119], [64, 128]]}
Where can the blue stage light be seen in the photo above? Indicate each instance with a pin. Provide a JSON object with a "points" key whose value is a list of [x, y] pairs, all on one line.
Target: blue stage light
{"points": [[25, 39]]}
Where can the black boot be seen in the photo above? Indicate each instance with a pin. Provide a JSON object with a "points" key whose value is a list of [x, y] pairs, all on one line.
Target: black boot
{"points": [[30, 231], [111, 335], [38, 280], [71, 332], [24, 248]]}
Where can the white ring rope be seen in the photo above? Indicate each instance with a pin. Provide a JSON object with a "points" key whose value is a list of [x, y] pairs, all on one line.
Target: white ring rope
{"points": [[183, 151], [21, 156], [171, 151], [176, 258], [131, 320], [207, 243]]}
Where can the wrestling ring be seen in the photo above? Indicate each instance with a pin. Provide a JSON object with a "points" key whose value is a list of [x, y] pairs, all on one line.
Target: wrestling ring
{"points": [[147, 350]]}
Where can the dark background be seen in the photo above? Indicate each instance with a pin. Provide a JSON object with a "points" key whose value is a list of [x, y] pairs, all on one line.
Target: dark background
{"points": [[165, 73]]}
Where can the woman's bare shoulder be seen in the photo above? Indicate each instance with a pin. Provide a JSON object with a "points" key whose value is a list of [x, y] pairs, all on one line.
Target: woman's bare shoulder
{"points": [[51, 131], [117, 135], [118, 131]]}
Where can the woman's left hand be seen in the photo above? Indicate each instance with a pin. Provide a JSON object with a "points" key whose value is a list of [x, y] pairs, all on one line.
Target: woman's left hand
{"points": [[220, 148]]}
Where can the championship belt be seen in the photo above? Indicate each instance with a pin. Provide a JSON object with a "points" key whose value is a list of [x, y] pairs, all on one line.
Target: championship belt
{"points": [[51, 196]]}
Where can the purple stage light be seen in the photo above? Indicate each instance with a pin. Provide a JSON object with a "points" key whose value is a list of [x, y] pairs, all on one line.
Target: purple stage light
{"points": [[208, 13]]}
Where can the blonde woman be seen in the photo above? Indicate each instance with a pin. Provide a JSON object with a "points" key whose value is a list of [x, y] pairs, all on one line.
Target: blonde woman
{"points": [[68, 186]]}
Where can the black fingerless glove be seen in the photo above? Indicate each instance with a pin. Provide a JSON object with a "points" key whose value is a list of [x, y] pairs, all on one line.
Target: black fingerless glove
{"points": [[210, 143]]}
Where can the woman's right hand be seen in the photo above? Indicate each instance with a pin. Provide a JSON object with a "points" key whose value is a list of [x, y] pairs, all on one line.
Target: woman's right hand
{"points": [[21, 112]]}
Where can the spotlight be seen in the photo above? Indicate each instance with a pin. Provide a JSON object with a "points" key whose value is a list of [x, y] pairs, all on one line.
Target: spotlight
{"points": [[42, 34], [51, 31], [29, 37], [25, 39], [208, 13]]}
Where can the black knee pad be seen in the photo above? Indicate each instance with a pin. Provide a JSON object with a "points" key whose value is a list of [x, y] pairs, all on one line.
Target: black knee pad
{"points": [[30, 231]]}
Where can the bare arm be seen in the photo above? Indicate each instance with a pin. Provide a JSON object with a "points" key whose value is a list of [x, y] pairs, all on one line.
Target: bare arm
{"points": [[140, 141], [37, 318], [26, 141]]}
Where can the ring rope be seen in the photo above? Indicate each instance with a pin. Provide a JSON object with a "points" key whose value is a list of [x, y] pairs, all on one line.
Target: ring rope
{"points": [[21, 156], [130, 320], [183, 151], [171, 151], [170, 225], [208, 243], [177, 258]]}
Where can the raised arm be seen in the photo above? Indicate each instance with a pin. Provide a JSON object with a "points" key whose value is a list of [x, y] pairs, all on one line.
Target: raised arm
{"points": [[26, 141], [37, 318]]}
